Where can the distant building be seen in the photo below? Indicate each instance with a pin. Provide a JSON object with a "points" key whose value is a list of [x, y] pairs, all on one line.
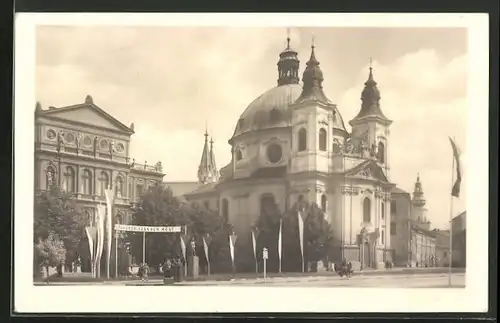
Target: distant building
{"points": [[442, 247], [459, 230], [412, 242], [84, 150]]}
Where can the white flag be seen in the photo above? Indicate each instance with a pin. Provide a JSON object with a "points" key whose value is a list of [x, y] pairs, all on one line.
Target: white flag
{"points": [[254, 243], [231, 248], [301, 232], [101, 212], [183, 247], [91, 236], [109, 227], [205, 246], [280, 243]]}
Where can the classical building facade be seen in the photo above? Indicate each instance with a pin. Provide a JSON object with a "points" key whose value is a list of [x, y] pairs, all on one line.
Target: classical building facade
{"points": [[413, 243], [291, 144], [84, 150]]}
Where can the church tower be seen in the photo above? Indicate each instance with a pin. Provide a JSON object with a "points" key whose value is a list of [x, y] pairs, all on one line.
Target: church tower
{"points": [[372, 124], [312, 134], [207, 171], [419, 211]]}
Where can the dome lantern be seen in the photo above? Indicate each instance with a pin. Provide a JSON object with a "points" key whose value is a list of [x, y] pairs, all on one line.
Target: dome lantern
{"points": [[288, 65]]}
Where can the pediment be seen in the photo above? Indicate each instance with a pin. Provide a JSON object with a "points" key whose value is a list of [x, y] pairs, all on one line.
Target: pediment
{"points": [[88, 114], [369, 170]]}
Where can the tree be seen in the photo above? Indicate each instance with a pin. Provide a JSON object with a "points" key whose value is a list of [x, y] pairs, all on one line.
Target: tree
{"points": [[268, 225], [49, 252], [55, 213], [220, 257], [158, 206], [319, 241], [318, 235]]}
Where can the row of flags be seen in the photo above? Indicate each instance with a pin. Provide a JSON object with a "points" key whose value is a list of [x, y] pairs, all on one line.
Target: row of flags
{"points": [[255, 234]]}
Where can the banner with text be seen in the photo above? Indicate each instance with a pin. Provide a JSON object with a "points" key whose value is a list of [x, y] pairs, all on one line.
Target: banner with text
{"points": [[145, 228]]}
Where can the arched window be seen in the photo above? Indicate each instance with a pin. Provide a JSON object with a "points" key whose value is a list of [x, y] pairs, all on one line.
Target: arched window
{"points": [[266, 203], [381, 152], [383, 210], [50, 177], [239, 154], [322, 139], [119, 186], [69, 180], [323, 202], [119, 218], [367, 205], [87, 182], [225, 210], [302, 139], [103, 182]]}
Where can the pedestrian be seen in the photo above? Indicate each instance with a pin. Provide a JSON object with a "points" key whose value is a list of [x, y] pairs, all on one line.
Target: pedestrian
{"points": [[167, 267], [145, 272]]}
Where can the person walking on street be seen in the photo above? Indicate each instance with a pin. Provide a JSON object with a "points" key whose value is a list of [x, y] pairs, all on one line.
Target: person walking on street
{"points": [[145, 272]]}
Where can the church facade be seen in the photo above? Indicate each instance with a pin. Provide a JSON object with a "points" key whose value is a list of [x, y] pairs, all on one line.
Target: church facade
{"points": [[291, 144]]}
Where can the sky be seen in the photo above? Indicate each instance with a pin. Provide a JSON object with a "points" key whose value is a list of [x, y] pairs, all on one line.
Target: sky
{"points": [[172, 82]]}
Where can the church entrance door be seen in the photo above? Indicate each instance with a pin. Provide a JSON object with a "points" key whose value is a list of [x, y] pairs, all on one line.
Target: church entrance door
{"points": [[366, 255]]}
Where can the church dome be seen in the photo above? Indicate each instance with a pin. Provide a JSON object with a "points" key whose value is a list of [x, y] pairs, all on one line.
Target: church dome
{"points": [[269, 110]]}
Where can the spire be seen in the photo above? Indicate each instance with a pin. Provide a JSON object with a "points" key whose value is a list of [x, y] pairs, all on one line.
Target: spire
{"points": [[418, 193], [212, 160], [288, 65], [313, 80], [370, 98], [207, 172]]}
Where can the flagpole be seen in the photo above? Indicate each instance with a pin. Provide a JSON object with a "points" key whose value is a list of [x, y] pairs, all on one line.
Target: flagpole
{"points": [[281, 244], [451, 219]]}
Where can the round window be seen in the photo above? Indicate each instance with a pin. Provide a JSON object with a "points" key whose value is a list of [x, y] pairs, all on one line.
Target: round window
{"points": [[51, 134], [274, 153]]}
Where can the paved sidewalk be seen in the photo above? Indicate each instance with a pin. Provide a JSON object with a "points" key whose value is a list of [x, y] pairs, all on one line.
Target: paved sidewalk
{"points": [[222, 279]]}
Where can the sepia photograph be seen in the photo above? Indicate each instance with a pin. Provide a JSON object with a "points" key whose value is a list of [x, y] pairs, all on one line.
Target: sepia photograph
{"points": [[305, 155]]}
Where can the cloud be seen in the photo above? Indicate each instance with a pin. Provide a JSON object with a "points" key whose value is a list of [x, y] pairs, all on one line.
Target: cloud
{"points": [[172, 82]]}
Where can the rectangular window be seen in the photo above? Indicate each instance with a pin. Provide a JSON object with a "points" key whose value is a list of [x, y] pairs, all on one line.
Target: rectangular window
{"points": [[393, 207], [382, 237], [138, 192], [207, 204], [393, 228]]}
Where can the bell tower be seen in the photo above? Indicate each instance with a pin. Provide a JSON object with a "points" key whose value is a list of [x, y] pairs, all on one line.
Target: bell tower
{"points": [[419, 211], [312, 138], [370, 122]]}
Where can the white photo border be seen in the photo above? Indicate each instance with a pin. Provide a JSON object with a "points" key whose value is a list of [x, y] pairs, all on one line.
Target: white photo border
{"points": [[123, 299]]}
